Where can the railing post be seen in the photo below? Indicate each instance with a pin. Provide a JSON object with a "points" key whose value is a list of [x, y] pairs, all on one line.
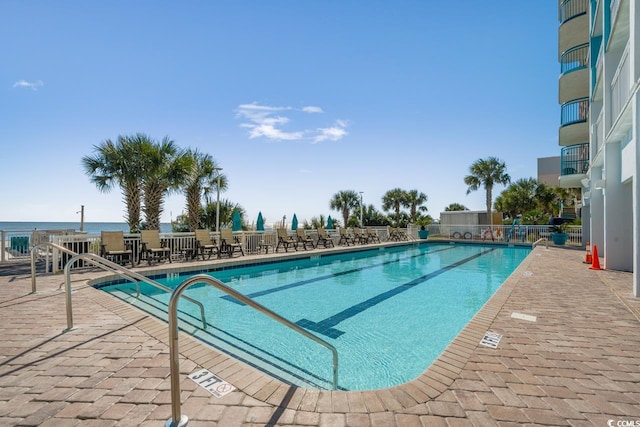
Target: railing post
{"points": [[2, 240]]}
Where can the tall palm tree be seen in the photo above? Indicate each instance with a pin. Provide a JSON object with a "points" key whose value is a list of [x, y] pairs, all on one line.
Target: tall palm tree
{"points": [[118, 164], [201, 181], [166, 168], [415, 201], [487, 173], [395, 200], [345, 202]]}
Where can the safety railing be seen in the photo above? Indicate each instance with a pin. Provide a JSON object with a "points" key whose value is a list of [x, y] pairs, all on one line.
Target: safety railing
{"points": [[539, 241], [519, 233], [178, 419], [576, 111], [574, 159], [574, 58], [112, 267], [569, 9]]}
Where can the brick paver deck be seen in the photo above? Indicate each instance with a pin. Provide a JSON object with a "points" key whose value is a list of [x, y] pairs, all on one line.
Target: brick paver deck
{"points": [[578, 364]]}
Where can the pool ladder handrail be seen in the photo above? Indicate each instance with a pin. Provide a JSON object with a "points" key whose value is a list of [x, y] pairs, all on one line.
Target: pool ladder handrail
{"points": [[181, 420], [106, 265], [540, 240]]}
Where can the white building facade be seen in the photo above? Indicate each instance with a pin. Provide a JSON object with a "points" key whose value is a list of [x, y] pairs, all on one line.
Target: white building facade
{"points": [[599, 53]]}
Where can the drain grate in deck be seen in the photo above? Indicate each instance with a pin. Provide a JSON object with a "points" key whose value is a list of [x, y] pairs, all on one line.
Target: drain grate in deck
{"points": [[491, 339]]}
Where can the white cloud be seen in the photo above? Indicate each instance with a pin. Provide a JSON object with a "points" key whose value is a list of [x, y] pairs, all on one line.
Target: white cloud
{"points": [[333, 133], [312, 109], [32, 85], [271, 122]]}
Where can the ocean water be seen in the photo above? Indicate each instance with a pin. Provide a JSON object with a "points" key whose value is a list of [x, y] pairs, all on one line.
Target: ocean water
{"points": [[89, 227]]}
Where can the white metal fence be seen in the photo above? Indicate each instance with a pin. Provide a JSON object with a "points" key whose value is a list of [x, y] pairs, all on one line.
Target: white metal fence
{"points": [[17, 244]]}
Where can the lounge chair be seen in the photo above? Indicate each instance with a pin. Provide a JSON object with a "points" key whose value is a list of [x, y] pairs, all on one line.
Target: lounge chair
{"points": [[360, 236], [394, 234], [324, 238], [229, 243], [346, 237], [372, 235], [152, 247], [285, 240], [114, 248], [304, 239], [205, 244]]}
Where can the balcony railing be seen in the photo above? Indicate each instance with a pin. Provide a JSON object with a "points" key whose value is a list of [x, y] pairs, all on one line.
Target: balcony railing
{"points": [[621, 85], [569, 9], [574, 159], [576, 111], [574, 58]]}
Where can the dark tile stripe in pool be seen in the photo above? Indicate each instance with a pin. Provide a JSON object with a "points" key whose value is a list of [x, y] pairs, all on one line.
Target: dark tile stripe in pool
{"points": [[327, 276], [326, 326], [219, 338]]}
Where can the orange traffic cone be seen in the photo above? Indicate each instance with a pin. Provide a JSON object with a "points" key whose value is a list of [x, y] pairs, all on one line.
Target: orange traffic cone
{"points": [[596, 260], [588, 258]]}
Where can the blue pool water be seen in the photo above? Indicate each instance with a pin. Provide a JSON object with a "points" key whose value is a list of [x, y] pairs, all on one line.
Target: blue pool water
{"points": [[389, 312]]}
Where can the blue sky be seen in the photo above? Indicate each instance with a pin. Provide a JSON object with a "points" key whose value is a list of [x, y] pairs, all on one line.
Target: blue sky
{"points": [[296, 100]]}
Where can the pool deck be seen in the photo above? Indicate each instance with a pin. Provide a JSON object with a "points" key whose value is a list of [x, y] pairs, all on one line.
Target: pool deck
{"points": [[577, 364]]}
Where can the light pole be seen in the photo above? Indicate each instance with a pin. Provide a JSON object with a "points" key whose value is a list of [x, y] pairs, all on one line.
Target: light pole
{"points": [[361, 224], [218, 201]]}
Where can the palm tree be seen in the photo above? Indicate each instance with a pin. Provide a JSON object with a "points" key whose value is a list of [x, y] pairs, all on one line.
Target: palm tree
{"points": [[345, 202], [394, 200], [453, 207], [166, 168], [201, 181], [118, 164], [487, 172], [415, 201], [227, 207]]}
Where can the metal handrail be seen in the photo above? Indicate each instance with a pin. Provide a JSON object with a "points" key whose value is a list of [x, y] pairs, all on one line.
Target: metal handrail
{"points": [[173, 337], [120, 270], [33, 259], [542, 239]]}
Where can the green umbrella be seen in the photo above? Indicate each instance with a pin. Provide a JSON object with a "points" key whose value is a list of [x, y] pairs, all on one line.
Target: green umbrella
{"points": [[260, 222], [329, 223], [236, 221], [294, 222]]}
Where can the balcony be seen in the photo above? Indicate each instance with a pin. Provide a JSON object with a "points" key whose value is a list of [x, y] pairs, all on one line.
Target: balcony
{"points": [[574, 77], [574, 165], [574, 24], [573, 122]]}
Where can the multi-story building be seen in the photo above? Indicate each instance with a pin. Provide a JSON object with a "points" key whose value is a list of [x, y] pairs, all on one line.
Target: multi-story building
{"points": [[599, 53]]}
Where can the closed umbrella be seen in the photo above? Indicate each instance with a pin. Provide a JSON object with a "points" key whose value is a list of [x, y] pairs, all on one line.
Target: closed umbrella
{"points": [[294, 222], [329, 223], [260, 222], [236, 221]]}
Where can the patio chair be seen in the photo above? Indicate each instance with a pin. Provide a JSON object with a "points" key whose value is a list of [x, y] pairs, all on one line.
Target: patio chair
{"points": [[114, 248], [229, 243], [324, 238], [304, 239], [394, 234], [205, 244], [360, 236], [285, 240], [346, 237], [152, 247], [372, 235]]}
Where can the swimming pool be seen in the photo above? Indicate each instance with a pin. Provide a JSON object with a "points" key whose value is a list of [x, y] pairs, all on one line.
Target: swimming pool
{"points": [[389, 312]]}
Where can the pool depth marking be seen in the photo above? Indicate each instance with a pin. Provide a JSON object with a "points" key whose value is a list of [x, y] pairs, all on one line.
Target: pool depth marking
{"points": [[326, 326], [327, 276]]}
